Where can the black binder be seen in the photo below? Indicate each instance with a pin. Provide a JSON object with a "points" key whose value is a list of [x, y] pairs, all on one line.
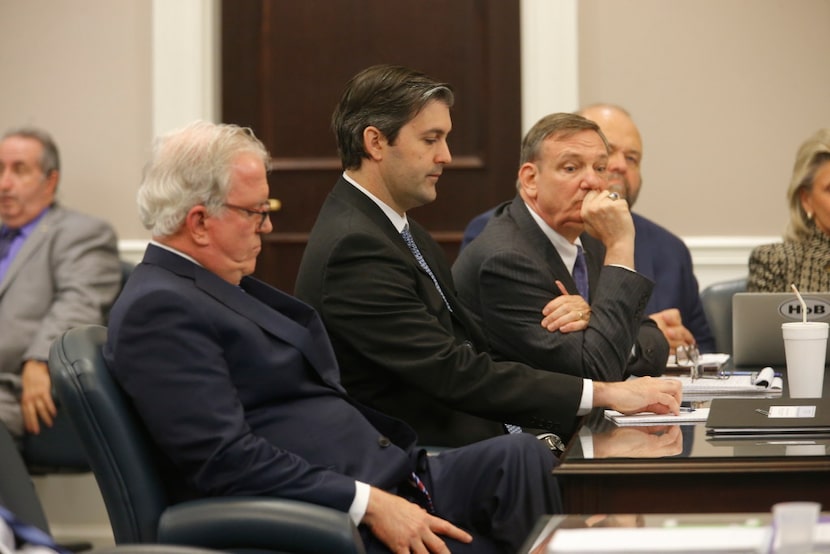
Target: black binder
{"points": [[733, 417]]}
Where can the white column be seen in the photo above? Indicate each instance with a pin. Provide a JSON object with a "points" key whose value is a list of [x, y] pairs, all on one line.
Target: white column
{"points": [[186, 51], [550, 58]]}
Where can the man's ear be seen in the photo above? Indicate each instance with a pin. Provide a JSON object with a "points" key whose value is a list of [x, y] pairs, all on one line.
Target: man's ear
{"points": [[374, 142], [52, 181], [528, 179], [197, 222]]}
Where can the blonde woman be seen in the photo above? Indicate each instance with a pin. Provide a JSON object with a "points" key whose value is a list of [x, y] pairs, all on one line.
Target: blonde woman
{"points": [[803, 257]]}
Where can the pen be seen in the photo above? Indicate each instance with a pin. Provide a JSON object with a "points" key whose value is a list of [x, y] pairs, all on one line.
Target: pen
{"points": [[762, 412], [685, 410]]}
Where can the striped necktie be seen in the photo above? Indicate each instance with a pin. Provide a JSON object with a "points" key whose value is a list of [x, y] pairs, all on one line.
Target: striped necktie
{"points": [[410, 242], [580, 273]]}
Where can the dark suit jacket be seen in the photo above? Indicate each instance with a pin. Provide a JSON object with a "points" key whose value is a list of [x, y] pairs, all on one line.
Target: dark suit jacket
{"points": [[400, 349], [662, 257], [262, 390], [665, 259], [507, 275]]}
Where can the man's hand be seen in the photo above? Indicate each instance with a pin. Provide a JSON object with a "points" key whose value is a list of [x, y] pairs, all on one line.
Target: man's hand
{"points": [[610, 221], [36, 402], [644, 394], [671, 325], [566, 313], [405, 527]]}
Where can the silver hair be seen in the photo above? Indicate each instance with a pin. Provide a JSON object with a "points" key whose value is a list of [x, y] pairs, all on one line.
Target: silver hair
{"points": [[50, 159], [191, 166]]}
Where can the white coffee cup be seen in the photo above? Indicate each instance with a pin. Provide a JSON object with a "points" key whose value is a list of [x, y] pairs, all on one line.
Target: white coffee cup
{"points": [[794, 526], [805, 345]]}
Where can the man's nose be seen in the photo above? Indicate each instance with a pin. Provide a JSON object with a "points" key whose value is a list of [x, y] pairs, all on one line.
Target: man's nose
{"points": [[594, 180], [616, 163], [266, 226], [444, 156]]}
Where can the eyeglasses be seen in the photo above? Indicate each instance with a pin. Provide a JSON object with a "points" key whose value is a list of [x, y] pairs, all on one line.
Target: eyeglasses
{"points": [[689, 356], [272, 205]]}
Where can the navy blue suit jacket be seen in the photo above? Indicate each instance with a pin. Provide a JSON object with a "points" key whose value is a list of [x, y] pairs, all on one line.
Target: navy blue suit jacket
{"points": [[662, 257], [264, 412]]}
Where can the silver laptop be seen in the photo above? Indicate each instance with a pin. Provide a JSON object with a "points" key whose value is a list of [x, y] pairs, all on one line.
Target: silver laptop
{"points": [[757, 319]]}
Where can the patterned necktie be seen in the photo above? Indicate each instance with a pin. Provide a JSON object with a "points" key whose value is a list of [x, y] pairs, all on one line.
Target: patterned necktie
{"points": [[580, 273], [7, 236], [410, 242], [29, 534], [416, 482]]}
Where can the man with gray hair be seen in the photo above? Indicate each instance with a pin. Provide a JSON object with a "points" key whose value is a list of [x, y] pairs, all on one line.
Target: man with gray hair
{"points": [[563, 237], [58, 269], [238, 385]]}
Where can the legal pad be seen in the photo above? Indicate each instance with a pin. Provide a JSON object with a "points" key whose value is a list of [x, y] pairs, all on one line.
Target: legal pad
{"points": [[757, 319], [731, 417]]}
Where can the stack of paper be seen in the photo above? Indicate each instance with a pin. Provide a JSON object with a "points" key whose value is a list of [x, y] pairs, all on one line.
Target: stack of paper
{"points": [[609, 540], [763, 383], [648, 418]]}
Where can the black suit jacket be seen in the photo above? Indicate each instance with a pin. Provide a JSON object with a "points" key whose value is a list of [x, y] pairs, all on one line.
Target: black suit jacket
{"points": [[400, 349], [507, 275], [239, 388]]}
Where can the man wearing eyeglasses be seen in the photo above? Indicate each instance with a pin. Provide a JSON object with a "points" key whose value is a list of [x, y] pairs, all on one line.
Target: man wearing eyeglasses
{"points": [[58, 269], [238, 385]]}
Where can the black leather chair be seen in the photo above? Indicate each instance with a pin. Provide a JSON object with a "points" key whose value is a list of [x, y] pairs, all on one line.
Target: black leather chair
{"points": [[122, 458], [717, 304]]}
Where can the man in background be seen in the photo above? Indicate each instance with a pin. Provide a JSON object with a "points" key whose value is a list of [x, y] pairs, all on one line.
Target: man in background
{"points": [[564, 236], [658, 254], [58, 269]]}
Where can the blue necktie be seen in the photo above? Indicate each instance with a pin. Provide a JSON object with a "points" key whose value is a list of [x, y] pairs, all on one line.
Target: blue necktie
{"points": [[7, 236], [28, 534], [580, 273], [410, 242]]}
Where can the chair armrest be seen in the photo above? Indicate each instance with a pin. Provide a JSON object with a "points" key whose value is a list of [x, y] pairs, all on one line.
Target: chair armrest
{"points": [[260, 523]]}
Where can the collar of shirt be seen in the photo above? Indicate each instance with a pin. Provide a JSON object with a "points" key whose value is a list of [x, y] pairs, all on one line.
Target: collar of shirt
{"points": [[27, 229], [566, 249], [398, 221], [174, 251]]}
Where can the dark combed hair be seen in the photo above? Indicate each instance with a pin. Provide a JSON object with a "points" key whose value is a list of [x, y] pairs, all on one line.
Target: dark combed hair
{"points": [[385, 97]]}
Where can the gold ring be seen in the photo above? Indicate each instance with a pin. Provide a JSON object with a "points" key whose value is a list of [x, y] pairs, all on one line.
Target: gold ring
{"points": [[579, 315], [614, 196]]}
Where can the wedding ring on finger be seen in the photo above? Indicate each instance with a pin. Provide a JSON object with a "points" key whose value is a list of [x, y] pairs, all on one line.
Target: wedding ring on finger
{"points": [[614, 196], [579, 315]]}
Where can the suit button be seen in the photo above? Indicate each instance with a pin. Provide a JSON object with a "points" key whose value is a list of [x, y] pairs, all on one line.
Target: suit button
{"points": [[384, 442], [469, 345]]}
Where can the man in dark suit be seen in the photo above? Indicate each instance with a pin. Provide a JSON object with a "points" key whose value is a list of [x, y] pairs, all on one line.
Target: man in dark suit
{"points": [[238, 385], [658, 254], [405, 343], [531, 252], [58, 268]]}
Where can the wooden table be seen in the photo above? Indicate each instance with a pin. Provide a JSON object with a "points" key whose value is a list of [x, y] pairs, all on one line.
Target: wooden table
{"points": [[676, 469]]}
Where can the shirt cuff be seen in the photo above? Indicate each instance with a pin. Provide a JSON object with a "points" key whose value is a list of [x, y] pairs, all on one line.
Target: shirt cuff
{"points": [[361, 501], [586, 403]]}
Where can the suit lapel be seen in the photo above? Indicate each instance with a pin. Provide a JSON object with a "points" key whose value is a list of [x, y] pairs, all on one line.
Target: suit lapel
{"points": [[33, 242], [539, 242], [277, 313], [343, 191]]}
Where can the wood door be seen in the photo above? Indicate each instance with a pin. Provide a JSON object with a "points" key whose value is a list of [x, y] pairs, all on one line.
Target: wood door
{"points": [[284, 66]]}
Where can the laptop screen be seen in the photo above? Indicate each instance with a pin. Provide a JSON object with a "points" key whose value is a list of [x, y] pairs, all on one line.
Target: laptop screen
{"points": [[757, 319]]}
